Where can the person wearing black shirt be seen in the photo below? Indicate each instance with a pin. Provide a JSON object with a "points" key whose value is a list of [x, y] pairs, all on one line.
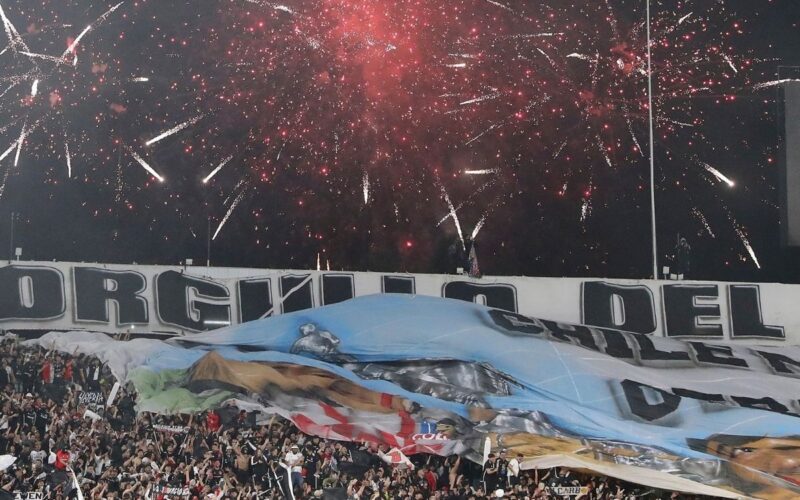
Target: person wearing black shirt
{"points": [[490, 473], [502, 469]]}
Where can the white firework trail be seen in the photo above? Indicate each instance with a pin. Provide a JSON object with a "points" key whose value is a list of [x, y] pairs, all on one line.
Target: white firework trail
{"points": [[35, 88], [45, 57], [719, 175], [233, 206], [485, 171], [98, 21], [602, 148], [535, 35], [463, 56], [482, 98], [560, 149], [775, 83], [492, 127], [730, 63], [14, 37], [141, 79], [365, 186], [502, 6], [576, 55], [747, 246], [69, 159], [702, 218], [145, 165], [685, 18], [20, 141], [546, 56], [456, 65], [6, 91], [8, 151], [586, 209], [478, 227], [216, 170], [174, 130], [630, 129], [453, 214]]}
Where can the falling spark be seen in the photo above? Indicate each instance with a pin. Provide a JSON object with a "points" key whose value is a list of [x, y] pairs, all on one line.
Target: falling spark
{"points": [[602, 148], [498, 4], [684, 18], [145, 165], [457, 65], [19, 142], [35, 88], [575, 55], [535, 35], [749, 248], [549, 59], [141, 79], [481, 99], [8, 151], [730, 63], [216, 170], [233, 206], [485, 171], [42, 56], [454, 215], [365, 184], [13, 35], [697, 213], [74, 44], [174, 130], [69, 159], [478, 227], [775, 83], [719, 175], [560, 149], [586, 209]]}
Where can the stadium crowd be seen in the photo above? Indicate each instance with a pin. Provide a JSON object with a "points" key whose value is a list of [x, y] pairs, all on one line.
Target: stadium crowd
{"points": [[69, 443]]}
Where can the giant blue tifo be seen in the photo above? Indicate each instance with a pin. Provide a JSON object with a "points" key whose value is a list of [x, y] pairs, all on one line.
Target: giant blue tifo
{"points": [[432, 375]]}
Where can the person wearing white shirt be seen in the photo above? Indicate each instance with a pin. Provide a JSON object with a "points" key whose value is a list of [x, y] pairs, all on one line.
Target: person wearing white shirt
{"points": [[294, 459], [513, 470]]}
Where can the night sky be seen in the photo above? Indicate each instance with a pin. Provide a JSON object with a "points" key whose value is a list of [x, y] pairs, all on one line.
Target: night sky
{"points": [[375, 134]]}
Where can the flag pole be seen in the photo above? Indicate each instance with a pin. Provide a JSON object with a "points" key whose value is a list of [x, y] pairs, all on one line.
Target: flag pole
{"points": [[652, 148]]}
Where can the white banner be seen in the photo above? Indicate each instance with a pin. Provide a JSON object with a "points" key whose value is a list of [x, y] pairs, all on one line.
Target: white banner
{"points": [[161, 300]]}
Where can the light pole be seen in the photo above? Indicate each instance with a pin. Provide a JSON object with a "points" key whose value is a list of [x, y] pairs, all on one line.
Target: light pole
{"points": [[652, 157], [11, 238]]}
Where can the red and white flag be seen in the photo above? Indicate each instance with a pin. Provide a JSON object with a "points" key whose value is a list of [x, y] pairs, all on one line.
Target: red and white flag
{"points": [[396, 457]]}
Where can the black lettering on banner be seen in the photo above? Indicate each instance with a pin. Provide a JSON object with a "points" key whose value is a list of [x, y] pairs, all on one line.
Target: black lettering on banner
{"points": [[87, 398], [337, 288], [255, 299], [761, 404], [31, 293], [780, 364], [684, 316], [497, 296], [577, 334], [296, 292], [398, 284], [647, 402], [623, 307], [701, 396], [716, 355], [649, 352], [746, 318], [192, 303], [96, 289], [616, 344], [517, 323]]}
